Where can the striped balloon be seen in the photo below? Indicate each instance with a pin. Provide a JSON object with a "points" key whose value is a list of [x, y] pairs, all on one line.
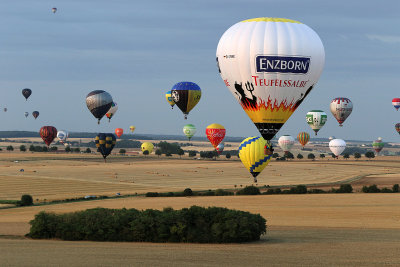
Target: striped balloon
{"points": [[48, 133], [252, 154], [396, 103], [303, 138], [98, 103], [105, 143]]}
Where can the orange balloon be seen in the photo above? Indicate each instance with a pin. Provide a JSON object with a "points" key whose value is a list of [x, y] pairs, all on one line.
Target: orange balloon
{"points": [[119, 132], [215, 133]]}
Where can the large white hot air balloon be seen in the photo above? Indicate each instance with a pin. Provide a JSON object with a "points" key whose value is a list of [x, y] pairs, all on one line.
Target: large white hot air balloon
{"points": [[337, 146], [341, 108], [270, 65], [286, 142]]}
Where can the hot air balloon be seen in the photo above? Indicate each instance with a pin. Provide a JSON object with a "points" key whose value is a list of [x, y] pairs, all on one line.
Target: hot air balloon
{"points": [[119, 132], [5, 109], [189, 130], [286, 142], [110, 113], [62, 136], [147, 146], [48, 133], [252, 154], [341, 108], [331, 138], [303, 138], [132, 128], [270, 65], [186, 95], [378, 145], [26, 93], [396, 103], [105, 143], [215, 133], [337, 146], [99, 102], [54, 10], [397, 127], [316, 119], [35, 114], [26, 114], [170, 101], [220, 148]]}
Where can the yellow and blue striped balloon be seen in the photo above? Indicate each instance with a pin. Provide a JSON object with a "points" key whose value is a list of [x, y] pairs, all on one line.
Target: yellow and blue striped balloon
{"points": [[252, 154]]}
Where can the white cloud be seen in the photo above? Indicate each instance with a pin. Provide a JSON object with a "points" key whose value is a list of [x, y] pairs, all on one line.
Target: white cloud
{"points": [[390, 39]]}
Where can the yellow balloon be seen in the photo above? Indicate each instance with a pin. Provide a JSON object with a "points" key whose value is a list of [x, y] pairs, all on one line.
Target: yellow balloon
{"points": [[147, 146], [170, 101], [132, 128], [252, 154]]}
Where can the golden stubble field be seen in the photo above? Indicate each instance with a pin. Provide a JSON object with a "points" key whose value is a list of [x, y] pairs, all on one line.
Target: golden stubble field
{"points": [[59, 176], [328, 229]]}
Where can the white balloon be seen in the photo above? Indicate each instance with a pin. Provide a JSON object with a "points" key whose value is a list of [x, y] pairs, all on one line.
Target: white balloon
{"points": [[270, 65], [341, 108], [286, 142], [62, 135], [337, 146]]}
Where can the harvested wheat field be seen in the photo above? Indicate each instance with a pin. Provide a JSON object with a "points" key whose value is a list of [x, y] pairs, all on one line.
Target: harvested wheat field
{"points": [[59, 176], [326, 229]]}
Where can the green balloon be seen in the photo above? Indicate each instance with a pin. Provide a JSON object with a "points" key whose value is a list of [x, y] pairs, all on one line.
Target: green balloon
{"points": [[189, 130], [316, 119]]}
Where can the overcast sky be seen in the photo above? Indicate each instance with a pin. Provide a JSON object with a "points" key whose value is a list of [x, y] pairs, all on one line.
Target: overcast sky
{"points": [[137, 50]]}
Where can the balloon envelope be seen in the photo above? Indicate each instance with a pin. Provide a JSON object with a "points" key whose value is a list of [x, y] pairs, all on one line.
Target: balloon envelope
{"points": [[215, 133], [147, 146], [98, 103], [303, 138], [286, 142], [26, 93], [105, 143], [110, 113], [378, 145], [170, 101], [54, 10], [341, 108], [252, 155], [26, 114], [62, 135], [220, 148], [132, 128], [396, 103], [35, 114], [337, 146], [119, 132], [48, 133], [186, 95], [316, 119], [397, 127], [270, 65], [189, 130]]}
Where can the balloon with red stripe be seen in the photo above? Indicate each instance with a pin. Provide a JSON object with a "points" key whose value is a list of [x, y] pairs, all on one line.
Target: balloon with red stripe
{"points": [[48, 133], [396, 103]]}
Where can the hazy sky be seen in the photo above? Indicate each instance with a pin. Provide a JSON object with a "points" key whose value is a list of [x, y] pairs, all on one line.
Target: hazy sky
{"points": [[137, 50]]}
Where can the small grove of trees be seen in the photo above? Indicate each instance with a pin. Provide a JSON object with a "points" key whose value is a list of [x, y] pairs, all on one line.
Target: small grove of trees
{"points": [[194, 224], [26, 200], [10, 148], [33, 148], [289, 155], [22, 148], [322, 156], [181, 152], [357, 155], [311, 156], [228, 155], [300, 156], [169, 148], [122, 151], [302, 189], [346, 155], [158, 152], [88, 150], [192, 153], [375, 189], [249, 190], [208, 154], [370, 155], [275, 155]]}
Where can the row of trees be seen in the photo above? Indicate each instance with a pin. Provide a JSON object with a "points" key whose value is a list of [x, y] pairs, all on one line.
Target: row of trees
{"points": [[289, 155], [34, 148]]}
